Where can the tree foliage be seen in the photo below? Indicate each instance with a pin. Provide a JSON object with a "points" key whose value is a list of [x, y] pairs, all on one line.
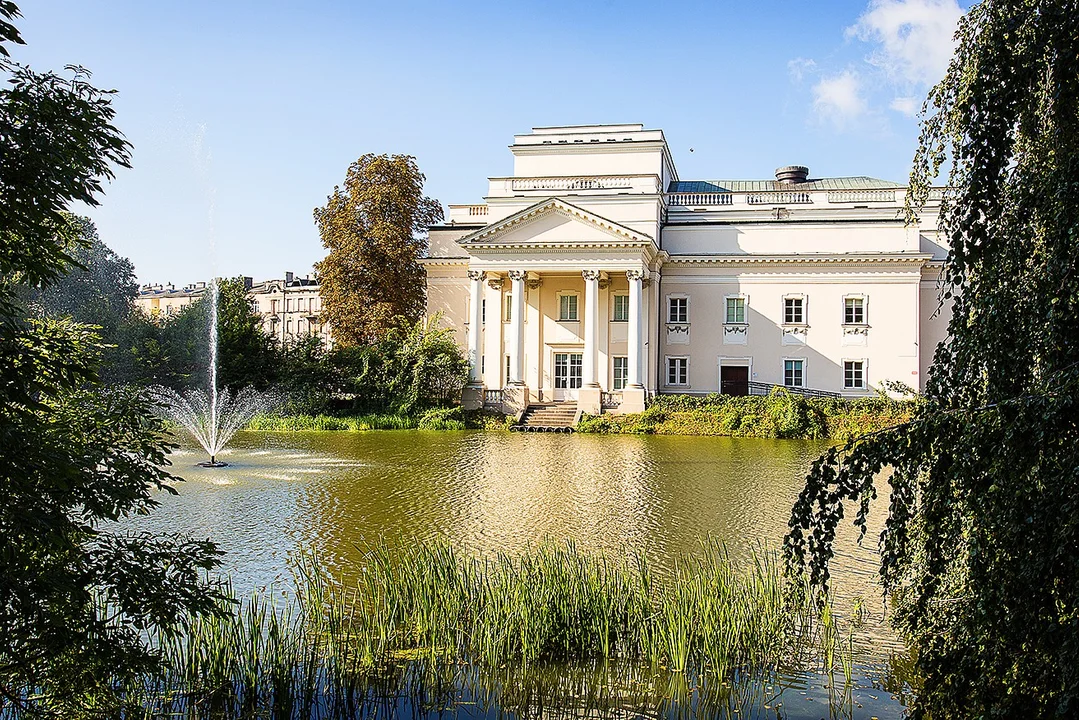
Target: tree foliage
{"points": [[75, 597], [979, 549], [375, 232], [415, 366]]}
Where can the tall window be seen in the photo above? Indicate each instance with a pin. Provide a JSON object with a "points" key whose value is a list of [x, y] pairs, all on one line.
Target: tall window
{"points": [[621, 308], [507, 369], [273, 306], [483, 311], [621, 372], [677, 310], [793, 311], [793, 373], [854, 374], [567, 308], [288, 305], [853, 311], [736, 310], [677, 371], [509, 307]]}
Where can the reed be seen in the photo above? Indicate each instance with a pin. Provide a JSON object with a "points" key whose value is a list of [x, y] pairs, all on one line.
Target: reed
{"points": [[328, 647]]}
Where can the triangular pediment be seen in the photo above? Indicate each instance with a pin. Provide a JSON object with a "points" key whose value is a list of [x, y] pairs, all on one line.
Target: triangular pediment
{"points": [[555, 222]]}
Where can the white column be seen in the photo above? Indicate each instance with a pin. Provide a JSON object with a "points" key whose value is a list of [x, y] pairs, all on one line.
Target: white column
{"points": [[475, 325], [591, 327], [517, 327], [636, 280]]}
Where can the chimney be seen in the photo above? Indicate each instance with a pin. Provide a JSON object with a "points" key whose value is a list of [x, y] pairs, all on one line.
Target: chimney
{"points": [[249, 282], [792, 174], [288, 278]]}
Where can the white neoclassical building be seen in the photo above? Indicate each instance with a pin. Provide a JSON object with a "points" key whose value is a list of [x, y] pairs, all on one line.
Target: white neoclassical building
{"points": [[595, 275]]}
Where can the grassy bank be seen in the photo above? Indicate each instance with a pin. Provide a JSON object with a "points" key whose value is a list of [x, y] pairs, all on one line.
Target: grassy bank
{"points": [[779, 415], [436, 419], [553, 606]]}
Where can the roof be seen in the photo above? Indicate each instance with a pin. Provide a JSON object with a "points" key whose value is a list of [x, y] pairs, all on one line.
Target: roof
{"points": [[860, 182]]}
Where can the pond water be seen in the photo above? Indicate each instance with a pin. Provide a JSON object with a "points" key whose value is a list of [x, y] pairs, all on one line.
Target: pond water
{"points": [[330, 493]]}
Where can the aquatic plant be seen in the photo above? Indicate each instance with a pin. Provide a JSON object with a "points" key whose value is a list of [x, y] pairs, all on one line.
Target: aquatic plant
{"points": [[552, 610]]}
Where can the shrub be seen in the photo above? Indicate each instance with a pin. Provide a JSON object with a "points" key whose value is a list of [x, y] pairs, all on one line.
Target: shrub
{"points": [[442, 419]]}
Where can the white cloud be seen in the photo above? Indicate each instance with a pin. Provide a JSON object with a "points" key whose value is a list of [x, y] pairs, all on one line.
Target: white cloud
{"points": [[799, 67], [915, 37], [838, 99], [908, 106]]}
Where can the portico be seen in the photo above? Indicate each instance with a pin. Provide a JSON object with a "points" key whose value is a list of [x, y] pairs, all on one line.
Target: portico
{"points": [[557, 303], [564, 336]]}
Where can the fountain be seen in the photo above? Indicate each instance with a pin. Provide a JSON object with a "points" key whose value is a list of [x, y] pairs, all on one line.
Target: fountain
{"points": [[213, 417]]}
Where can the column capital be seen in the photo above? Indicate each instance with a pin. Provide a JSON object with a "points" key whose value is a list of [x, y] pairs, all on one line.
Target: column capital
{"points": [[633, 275], [590, 274], [476, 275], [518, 274]]}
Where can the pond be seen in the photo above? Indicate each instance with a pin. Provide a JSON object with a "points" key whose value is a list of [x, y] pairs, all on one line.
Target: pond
{"points": [[330, 493]]}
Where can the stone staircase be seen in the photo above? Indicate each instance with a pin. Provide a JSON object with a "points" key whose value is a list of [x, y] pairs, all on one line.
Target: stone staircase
{"points": [[548, 417]]}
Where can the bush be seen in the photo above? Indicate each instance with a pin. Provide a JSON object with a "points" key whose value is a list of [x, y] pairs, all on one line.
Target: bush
{"points": [[442, 419], [779, 415]]}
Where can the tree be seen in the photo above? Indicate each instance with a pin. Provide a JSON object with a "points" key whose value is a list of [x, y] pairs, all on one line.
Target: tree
{"points": [[246, 353], [979, 549], [99, 290], [414, 367], [375, 231], [75, 597]]}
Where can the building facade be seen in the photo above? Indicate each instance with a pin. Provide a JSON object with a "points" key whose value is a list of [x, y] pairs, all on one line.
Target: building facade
{"points": [[596, 275], [291, 307]]}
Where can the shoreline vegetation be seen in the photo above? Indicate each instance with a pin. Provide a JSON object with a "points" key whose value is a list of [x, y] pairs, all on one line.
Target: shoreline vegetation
{"points": [[551, 611], [780, 415]]}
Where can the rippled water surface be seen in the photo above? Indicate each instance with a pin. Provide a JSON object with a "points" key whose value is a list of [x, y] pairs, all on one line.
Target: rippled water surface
{"points": [[484, 492]]}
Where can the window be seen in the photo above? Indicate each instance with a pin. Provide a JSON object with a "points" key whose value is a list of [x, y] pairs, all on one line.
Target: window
{"points": [[483, 364], [794, 373], [853, 311], [678, 310], [678, 371], [273, 306], [507, 369], [621, 308], [793, 311], [567, 308], [621, 372], [854, 374], [736, 310], [288, 305], [483, 311], [509, 307]]}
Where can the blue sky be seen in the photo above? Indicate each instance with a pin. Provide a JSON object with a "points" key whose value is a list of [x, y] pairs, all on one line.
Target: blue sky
{"points": [[245, 114]]}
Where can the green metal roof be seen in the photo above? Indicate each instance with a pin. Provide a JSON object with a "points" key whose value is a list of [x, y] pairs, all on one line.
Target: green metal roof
{"points": [[860, 182]]}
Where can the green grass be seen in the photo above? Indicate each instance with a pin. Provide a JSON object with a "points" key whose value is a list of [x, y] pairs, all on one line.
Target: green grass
{"points": [[779, 415], [427, 604]]}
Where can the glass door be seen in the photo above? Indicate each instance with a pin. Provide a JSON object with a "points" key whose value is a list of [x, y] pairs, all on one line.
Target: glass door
{"points": [[567, 375]]}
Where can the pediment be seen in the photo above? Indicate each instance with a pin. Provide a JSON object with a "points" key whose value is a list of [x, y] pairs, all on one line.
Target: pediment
{"points": [[554, 223]]}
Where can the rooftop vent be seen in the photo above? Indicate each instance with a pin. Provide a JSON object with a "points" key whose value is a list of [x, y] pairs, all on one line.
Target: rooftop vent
{"points": [[792, 174]]}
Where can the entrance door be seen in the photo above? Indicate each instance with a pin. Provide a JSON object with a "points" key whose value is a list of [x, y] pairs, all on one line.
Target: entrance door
{"points": [[734, 379], [567, 375]]}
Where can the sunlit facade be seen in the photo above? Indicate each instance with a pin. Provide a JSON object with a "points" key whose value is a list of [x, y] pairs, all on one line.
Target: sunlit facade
{"points": [[596, 275]]}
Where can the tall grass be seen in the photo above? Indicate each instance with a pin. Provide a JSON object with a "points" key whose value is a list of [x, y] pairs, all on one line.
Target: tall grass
{"points": [[426, 606], [353, 423]]}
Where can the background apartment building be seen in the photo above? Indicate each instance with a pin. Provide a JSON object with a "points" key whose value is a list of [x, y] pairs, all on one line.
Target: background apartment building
{"points": [[291, 307]]}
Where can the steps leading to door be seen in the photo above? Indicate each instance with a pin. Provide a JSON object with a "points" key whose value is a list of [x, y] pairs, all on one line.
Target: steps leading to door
{"points": [[548, 417]]}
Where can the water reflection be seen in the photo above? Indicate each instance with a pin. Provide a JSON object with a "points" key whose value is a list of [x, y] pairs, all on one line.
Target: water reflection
{"points": [[487, 492]]}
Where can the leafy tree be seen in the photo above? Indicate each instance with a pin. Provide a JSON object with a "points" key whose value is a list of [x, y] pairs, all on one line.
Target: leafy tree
{"points": [[99, 290], [979, 550], [75, 597], [414, 367], [246, 353], [374, 230]]}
